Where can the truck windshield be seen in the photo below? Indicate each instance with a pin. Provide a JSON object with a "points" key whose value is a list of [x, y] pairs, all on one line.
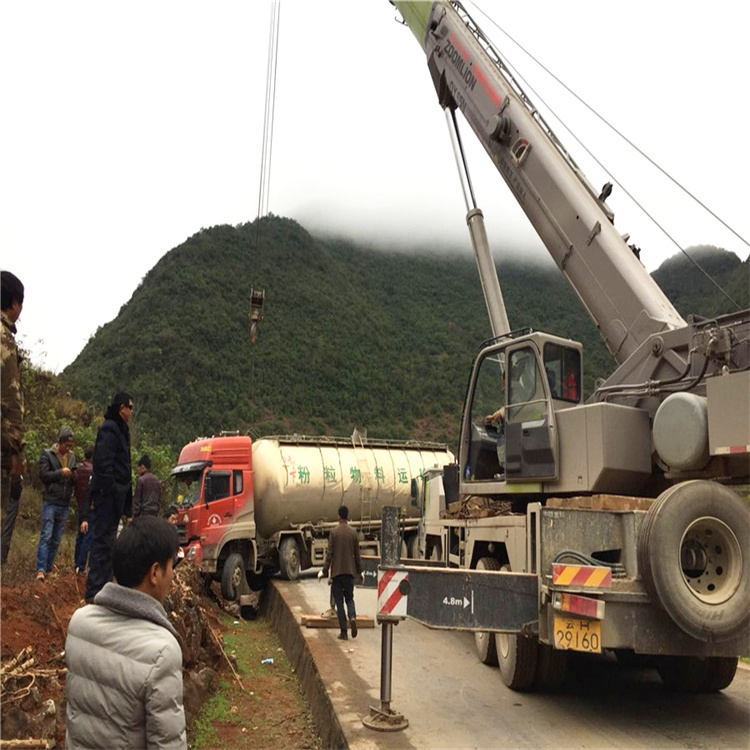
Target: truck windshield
{"points": [[186, 489]]}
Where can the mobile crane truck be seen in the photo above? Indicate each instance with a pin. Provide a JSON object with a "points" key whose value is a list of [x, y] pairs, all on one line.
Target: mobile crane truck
{"points": [[249, 509], [630, 508]]}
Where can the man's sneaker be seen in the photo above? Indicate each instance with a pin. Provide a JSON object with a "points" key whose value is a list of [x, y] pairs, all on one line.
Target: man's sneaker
{"points": [[353, 626], [343, 637], [40, 575]]}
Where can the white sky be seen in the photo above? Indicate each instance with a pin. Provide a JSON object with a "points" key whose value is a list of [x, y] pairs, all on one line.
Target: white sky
{"points": [[127, 126]]}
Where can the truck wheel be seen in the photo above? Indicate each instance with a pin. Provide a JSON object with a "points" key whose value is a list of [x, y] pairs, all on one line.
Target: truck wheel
{"points": [[693, 554], [232, 576], [683, 674], [551, 664], [259, 581], [289, 558], [720, 671], [436, 551], [516, 656], [412, 547], [485, 641], [694, 674]]}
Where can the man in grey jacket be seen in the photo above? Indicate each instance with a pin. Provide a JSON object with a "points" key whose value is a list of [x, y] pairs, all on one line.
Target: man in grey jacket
{"points": [[124, 683], [344, 561]]}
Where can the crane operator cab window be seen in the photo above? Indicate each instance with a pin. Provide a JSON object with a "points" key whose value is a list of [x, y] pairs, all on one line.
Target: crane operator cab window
{"points": [[563, 367], [530, 450], [487, 438]]}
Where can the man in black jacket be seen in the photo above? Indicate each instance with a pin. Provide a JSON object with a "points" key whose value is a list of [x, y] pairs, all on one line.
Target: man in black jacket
{"points": [[57, 467], [111, 489]]}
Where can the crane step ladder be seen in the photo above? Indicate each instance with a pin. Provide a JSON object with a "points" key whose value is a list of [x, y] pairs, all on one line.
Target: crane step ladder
{"points": [[365, 479]]}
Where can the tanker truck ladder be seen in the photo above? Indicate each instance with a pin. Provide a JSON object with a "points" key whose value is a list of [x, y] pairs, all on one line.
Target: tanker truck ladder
{"points": [[365, 480]]}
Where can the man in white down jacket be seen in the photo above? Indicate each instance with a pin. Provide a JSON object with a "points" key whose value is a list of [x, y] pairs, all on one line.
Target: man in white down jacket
{"points": [[124, 683]]}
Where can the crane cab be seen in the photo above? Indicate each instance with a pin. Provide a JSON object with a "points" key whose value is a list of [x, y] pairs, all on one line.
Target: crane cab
{"points": [[517, 386]]}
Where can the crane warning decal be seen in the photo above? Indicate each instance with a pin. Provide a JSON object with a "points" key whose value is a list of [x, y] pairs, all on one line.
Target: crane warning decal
{"points": [[393, 588], [586, 576]]}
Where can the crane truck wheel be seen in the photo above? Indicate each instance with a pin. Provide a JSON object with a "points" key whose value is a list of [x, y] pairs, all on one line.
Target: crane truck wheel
{"points": [[694, 674], [720, 671], [516, 657], [693, 553], [436, 551], [412, 547], [232, 576], [551, 665], [485, 641], [289, 558]]}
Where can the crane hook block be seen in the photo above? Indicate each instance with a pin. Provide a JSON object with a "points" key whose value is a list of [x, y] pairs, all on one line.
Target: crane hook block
{"points": [[257, 301]]}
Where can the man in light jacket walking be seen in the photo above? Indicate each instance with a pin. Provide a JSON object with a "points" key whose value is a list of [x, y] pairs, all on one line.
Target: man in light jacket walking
{"points": [[124, 680]]}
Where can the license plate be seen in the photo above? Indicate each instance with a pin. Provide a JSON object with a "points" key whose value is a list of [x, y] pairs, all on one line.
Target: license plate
{"points": [[578, 634]]}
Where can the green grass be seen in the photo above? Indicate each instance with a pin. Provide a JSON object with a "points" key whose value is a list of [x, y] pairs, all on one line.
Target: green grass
{"points": [[270, 711], [216, 708]]}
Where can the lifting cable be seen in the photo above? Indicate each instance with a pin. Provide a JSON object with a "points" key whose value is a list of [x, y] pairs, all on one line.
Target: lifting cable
{"points": [[257, 296], [633, 146]]}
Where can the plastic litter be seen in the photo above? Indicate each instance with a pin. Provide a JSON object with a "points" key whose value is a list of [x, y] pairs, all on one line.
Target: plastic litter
{"points": [[266, 661]]}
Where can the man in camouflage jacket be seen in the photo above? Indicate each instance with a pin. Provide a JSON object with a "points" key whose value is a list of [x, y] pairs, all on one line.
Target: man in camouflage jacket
{"points": [[11, 406]]}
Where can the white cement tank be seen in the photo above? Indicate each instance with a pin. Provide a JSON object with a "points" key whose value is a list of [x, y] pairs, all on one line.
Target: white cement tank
{"points": [[299, 480]]}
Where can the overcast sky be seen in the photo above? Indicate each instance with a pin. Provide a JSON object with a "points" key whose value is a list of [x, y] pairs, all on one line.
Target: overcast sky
{"points": [[127, 126]]}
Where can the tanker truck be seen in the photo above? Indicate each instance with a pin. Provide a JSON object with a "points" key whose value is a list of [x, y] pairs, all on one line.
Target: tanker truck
{"points": [[249, 509]]}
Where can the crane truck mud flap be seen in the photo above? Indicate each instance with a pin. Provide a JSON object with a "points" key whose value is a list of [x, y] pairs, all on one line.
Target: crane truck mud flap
{"points": [[694, 558]]}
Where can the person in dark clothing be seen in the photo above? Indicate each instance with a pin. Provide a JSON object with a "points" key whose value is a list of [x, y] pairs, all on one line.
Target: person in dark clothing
{"points": [[83, 537], [110, 490], [11, 513], [344, 561], [147, 497], [57, 466], [12, 440]]}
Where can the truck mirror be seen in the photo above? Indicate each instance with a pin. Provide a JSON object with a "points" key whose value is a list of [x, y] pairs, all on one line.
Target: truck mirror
{"points": [[414, 491], [207, 489]]}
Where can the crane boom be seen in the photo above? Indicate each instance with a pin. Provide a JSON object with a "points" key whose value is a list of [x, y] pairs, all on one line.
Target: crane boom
{"points": [[573, 221]]}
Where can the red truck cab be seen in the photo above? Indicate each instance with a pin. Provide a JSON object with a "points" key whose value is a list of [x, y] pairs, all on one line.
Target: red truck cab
{"points": [[213, 492]]}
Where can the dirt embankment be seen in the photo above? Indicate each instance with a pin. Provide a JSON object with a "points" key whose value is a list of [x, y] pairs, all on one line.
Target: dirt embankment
{"points": [[33, 625]]}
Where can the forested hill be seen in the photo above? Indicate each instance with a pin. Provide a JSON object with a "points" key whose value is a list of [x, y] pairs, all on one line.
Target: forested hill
{"points": [[352, 337]]}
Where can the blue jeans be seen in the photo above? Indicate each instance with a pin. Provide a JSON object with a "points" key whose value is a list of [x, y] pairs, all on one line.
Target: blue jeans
{"points": [[83, 542], [53, 525]]}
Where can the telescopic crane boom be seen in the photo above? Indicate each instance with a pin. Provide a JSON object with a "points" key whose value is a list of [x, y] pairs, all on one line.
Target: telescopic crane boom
{"points": [[571, 218]]}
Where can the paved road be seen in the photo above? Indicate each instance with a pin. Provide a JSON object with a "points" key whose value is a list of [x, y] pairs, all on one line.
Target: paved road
{"points": [[453, 701]]}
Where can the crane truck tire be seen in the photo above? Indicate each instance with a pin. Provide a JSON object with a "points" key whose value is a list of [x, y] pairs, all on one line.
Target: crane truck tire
{"points": [[232, 576], [551, 665], [693, 674], [694, 557], [485, 641], [516, 657], [289, 558]]}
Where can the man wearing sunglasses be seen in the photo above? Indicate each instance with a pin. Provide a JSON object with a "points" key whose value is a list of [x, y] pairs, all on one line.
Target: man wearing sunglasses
{"points": [[111, 489], [124, 680]]}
